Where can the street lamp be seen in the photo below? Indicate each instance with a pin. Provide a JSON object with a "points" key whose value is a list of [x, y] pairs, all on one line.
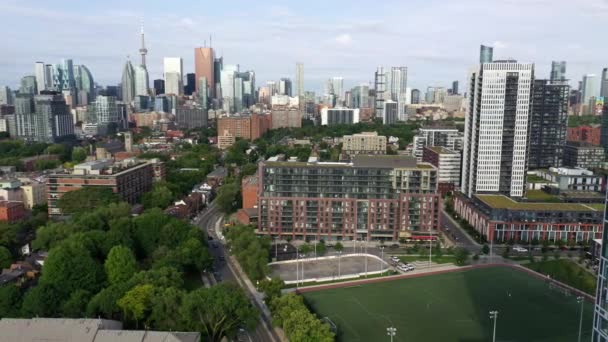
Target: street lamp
{"points": [[391, 331], [494, 315], [339, 259], [581, 301], [365, 258]]}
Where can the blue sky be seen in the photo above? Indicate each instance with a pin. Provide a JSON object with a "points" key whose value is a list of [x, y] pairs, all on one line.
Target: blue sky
{"points": [[438, 40]]}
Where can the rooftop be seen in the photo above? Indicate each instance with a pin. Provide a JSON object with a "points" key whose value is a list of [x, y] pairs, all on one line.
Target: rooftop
{"points": [[441, 150], [504, 202], [363, 161], [218, 172]]}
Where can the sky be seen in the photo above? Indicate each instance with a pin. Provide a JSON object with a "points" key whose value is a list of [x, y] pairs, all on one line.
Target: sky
{"points": [[438, 40]]}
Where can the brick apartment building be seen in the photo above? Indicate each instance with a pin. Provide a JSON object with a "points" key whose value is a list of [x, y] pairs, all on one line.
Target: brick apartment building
{"points": [[129, 179], [370, 198], [447, 162], [249, 127], [11, 211], [586, 134]]}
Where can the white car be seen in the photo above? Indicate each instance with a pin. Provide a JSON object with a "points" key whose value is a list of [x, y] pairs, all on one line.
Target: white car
{"points": [[395, 259], [520, 249]]}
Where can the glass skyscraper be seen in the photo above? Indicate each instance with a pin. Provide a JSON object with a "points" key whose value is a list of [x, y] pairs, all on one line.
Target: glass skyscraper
{"points": [[486, 54], [558, 71]]}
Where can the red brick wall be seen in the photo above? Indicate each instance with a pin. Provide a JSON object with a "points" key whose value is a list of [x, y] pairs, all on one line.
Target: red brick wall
{"points": [[250, 193], [587, 134]]}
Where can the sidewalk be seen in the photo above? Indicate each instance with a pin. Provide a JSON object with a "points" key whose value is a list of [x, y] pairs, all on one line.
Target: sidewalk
{"points": [[244, 282]]}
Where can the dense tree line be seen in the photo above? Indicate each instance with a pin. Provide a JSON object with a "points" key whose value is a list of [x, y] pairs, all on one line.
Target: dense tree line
{"points": [[299, 324], [106, 263], [251, 251]]}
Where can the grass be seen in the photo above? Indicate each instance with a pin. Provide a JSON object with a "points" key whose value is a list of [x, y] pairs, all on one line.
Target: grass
{"points": [[536, 179], [567, 272], [369, 276], [504, 202], [444, 259], [454, 307], [541, 196]]}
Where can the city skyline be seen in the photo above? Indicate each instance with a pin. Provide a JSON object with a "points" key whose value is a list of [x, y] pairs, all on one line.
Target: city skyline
{"points": [[353, 44]]}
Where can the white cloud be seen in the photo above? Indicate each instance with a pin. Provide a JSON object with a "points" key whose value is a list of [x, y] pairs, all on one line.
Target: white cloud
{"points": [[499, 45], [187, 23], [344, 39]]}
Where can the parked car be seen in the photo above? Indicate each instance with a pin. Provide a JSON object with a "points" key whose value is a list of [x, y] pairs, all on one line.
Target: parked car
{"points": [[520, 249], [394, 258]]}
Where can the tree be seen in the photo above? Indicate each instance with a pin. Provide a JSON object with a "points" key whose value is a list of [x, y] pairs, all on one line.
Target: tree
{"points": [[70, 267], [79, 154], [85, 200], [10, 300], [137, 302], [461, 255], [164, 305], [485, 249], [42, 300], [120, 264], [160, 197], [6, 258], [218, 311], [305, 249], [289, 312], [271, 288], [76, 305], [339, 247], [226, 197], [321, 248]]}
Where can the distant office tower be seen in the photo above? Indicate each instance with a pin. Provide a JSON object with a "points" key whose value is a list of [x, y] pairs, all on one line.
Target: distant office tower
{"points": [[360, 95], [105, 110], [227, 86], [238, 93], [486, 54], [380, 87], [455, 88], [57, 77], [558, 71], [111, 91], [191, 117], [84, 84], [173, 85], [548, 124], [273, 87], [604, 84], [6, 95], [67, 73], [203, 92], [496, 129], [28, 85], [396, 83], [41, 74], [205, 65], [285, 86], [44, 117], [299, 79], [390, 112], [141, 81], [190, 84], [218, 66], [337, 84], [159, 87], [128, 83], [589, 88], [429, 96], [415, 96], [248, 87]]}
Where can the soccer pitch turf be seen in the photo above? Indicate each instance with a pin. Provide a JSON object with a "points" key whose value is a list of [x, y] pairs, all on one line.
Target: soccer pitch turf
{"points": [[454, 307]]}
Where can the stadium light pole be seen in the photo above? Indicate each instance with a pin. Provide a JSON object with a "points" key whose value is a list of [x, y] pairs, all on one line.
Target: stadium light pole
{"points": [[430, 250], [339, 259], [297, 267], [581, 300], [494, 315], [381, 257], [365, 258], [391, 331]]}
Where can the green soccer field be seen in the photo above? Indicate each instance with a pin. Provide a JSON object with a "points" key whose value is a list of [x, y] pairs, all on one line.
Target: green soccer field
{"points": [[454, 307]]}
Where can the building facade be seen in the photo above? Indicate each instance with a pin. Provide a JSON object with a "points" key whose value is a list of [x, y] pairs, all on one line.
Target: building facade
{"points": [[130, 179], [173, 68], [501, 219], [548, 124], [364, 143], [447, 163], [496, 129], [587, 134], [337, 116], [286, 117], [371, 198], [189, 117], [248, 127], [583, 155], [447, 137], [204, 66]]}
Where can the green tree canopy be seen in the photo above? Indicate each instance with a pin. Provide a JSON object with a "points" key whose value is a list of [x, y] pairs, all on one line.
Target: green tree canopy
{"points": [[137, 302], [160, 197], [227, 197], [79, 154], [85, 200], [120, 264], [10, 299], [6, 258]]}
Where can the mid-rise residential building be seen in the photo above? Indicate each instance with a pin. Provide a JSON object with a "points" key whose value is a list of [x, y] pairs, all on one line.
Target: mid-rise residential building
{"points": [[248, 127], [364, 143], [285, 117], [548, 124], [249, 191], [188, 117], [11, 211], [34, 193], [338, 116], [44, 117], [371, 198], [572, 179], [447, 163], [577, 154], [225, 140], [447, 137], [130, 179], [496, 129], [501, 219]]}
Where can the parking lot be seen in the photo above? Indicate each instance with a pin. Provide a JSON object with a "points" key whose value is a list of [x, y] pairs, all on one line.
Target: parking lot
{"points": [[327, 268]]}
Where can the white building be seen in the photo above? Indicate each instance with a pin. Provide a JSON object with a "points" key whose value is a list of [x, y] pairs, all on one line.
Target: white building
{"points": [[299, 79], [141, 81], [447, 137], [171, 66], [336, 116], [41, 74], [496, 129]]}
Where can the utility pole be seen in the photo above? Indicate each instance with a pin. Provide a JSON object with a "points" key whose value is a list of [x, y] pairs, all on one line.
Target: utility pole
{"points": [[494, 315]]}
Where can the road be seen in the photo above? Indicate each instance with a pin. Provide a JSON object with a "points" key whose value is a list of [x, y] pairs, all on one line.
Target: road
{"points": [[457, 234], [223, 273]]}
